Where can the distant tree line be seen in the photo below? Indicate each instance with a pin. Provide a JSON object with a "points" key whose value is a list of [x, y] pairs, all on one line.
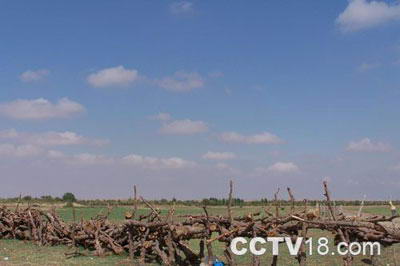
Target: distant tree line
{"points": [[67, 197], [70, 197]]}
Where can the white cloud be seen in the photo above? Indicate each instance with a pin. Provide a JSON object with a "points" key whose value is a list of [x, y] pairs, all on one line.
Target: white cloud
{"points": [[283, 167], [366, 145], [184, 127], [278, 168], [11, 150], [50, 138], [161, 117], [9, 134], [181, 7], [55, 154], [114, 76], [147, 162], [175, 163], [363, 14], [90, 159], [227, 169], [40, 108], [65, 138], [182, 81], [157, 163], [222, 166], [219, 155], [135, 160], [368, 66], [34, 75], [262, 138], [80, 158]]}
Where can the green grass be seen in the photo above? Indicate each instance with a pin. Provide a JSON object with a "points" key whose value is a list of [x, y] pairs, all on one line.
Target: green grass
{"points": [[13, 252], [379, 210]]}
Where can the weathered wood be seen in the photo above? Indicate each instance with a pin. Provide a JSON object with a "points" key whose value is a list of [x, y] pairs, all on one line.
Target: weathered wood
{"points": [[291, 197], [276, 203], [165, 240], [230, 201], [134, 202], [347, 260]]}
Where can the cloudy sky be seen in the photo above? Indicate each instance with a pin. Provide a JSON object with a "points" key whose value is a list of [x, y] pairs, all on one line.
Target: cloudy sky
{"points": [[178, 97]]}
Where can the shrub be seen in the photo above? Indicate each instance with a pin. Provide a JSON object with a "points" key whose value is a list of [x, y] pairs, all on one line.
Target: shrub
{"points": [[69, 197]]}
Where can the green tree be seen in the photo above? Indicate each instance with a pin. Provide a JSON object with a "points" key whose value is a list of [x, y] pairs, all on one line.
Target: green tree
{"points": [[69, 197], [27, 198], [47, 198]]}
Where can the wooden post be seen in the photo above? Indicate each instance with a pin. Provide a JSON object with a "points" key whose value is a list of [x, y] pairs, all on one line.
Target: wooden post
{"points": [[274, 260], [230, 201], [392, 209], [361, 207], [302, 256], [134, 202], [291, 200], [276, 203], [19, 201], [130, 234], [73, 212], [348, 259], [227, 252]]}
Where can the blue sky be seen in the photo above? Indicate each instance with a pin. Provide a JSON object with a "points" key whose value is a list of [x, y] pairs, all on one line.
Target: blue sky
{"points": [[178, 97]]}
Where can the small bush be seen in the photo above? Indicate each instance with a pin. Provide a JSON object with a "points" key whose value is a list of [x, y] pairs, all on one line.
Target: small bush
{"points": [[69, 197]]}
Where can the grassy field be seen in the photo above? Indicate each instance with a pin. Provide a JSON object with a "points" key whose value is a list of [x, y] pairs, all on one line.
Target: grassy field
{"points": [[13, 252]]}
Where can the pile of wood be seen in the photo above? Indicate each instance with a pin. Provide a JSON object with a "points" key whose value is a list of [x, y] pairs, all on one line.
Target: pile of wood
{"points": [[165, 239]]}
